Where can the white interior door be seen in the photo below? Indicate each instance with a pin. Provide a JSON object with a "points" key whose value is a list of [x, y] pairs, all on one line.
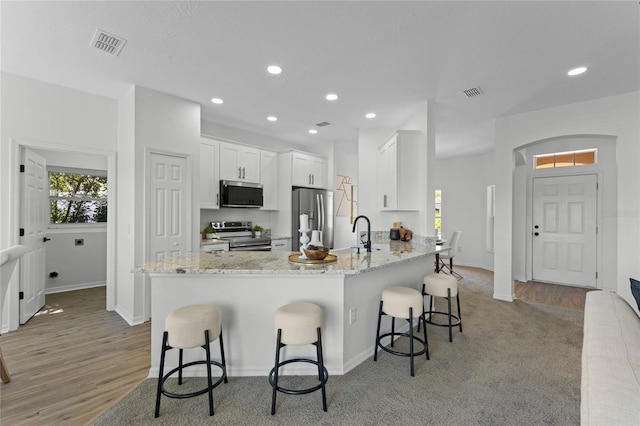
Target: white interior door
{"points": [[167, 206], [564, 230], [34, 220]]}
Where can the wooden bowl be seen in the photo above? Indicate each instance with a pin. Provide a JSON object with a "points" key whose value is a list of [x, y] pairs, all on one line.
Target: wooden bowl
{"points": [[316, 254]]}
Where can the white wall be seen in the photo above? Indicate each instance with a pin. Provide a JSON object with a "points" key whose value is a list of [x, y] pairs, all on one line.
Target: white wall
{"points": [[77, 266], [617, 116], [464, 181], [149, 121], [346, 164], [45, 116]]}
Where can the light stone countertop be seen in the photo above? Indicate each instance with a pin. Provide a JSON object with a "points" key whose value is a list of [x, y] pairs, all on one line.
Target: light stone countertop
{"points": [[257, 262]]}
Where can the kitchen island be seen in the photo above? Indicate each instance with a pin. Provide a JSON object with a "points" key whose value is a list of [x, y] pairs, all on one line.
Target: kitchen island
{"points": [[249, 287]]}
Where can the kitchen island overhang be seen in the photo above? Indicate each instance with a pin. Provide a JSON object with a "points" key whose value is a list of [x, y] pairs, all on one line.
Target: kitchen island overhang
{"points": [[248, 287]]}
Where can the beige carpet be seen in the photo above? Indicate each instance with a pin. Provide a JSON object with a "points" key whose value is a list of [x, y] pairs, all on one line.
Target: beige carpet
{"points": [[514, 364]]}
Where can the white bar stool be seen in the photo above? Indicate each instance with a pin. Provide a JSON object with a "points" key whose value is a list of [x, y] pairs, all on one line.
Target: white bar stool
{"points": [[185, 328], [298, 323], [442, 285], [405, 303]]}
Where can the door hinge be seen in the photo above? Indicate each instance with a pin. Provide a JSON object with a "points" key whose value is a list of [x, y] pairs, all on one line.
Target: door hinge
{"points": [[21, 168], [596, 230], [21, 295], [22, 232], [596, 275]]}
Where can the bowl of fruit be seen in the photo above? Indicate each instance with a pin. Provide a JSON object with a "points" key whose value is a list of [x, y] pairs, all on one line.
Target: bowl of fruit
{"points": [[316, 252]]}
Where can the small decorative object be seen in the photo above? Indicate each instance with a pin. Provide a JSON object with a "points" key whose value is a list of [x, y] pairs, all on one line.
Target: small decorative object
{"points": [[315, 238], [315, 252], [304, 240], [304, 222], [405, 234], [209, 232], [257, 231]]}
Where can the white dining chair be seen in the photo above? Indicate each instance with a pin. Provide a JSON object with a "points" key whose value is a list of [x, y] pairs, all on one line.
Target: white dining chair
{"points": [[450, 254]]}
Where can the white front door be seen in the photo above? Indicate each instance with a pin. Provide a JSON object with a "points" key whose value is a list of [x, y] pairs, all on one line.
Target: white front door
{"points": [[564, 230], [168, 218], [34, 217]]}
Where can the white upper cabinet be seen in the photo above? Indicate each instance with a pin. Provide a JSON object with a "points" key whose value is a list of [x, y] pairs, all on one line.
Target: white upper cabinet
{"points": [[209, 174], [269, 179], [398, 165], [308, 170], [239, 163]]}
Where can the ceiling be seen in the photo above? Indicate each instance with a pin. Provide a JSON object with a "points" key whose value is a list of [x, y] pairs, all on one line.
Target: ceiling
{"points": [[384, 57]]}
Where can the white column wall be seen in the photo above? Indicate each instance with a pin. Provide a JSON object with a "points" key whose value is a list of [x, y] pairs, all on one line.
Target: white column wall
{"points": [[150, 121], [617, 116]]}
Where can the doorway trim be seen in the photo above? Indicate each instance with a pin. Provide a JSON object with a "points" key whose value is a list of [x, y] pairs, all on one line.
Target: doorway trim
{"points": [[14, 215]]}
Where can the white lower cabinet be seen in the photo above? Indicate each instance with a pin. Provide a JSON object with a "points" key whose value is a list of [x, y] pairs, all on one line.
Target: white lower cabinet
{"points": [[282, 244]]}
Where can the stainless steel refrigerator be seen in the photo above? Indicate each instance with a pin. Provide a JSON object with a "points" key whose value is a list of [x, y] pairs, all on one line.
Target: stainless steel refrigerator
{"points": [[318, 205]]}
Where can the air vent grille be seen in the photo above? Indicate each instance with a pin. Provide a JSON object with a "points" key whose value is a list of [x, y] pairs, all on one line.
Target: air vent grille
{"points": [[472, 92], [324, 123], [106, 42]]}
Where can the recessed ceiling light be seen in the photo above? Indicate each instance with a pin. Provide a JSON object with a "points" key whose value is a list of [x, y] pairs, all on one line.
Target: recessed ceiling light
{"points": [[313, 131], [272, 118], [217, 101], [371, 115], [331, 97], [577, 71], [274, 69]]}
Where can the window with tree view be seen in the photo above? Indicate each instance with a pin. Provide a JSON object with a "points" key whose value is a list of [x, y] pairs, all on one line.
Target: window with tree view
{"points": [[77, 197]]}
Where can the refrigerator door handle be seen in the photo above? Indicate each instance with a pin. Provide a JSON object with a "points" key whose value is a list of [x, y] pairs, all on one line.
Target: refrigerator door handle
{"points": [[321, 209], [318, 213]]}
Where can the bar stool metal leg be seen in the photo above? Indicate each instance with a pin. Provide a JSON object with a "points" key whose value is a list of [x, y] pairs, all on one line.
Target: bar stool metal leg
{"points": [[275, 374]]}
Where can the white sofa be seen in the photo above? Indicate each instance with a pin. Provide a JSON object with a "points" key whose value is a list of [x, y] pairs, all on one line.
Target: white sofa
{"points": [[610, 388]]}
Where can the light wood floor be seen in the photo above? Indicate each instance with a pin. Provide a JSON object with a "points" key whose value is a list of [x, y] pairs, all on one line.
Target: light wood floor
{"points": [[552, 294], [74, 359], [71, 361]]}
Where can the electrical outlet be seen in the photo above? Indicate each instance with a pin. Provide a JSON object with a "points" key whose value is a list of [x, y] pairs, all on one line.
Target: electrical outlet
{"points": [[353, 315], [79, 241]]}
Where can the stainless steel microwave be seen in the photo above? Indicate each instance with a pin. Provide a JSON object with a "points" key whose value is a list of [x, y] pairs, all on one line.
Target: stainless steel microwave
{"points": [[240, 194]]}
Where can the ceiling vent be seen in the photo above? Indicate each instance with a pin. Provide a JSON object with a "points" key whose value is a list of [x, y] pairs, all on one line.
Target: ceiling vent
{"points": [[473, 92], [106, 42], [324, 123]]}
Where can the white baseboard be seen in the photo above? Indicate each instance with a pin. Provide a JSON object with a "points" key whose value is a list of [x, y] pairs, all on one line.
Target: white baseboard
{"points": [[72, 287]]}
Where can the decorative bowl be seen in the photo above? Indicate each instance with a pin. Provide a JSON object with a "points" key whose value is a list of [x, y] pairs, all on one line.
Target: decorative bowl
{"points": [[316, 252]]}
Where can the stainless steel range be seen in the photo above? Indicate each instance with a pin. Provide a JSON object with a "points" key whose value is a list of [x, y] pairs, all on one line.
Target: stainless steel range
{"points": [[240, 237]]}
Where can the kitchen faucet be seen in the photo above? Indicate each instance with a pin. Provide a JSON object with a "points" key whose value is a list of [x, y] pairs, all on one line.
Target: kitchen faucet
{"points": [[367, 245]]}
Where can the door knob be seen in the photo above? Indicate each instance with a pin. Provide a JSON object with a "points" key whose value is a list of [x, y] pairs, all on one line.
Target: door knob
{"points": [[536, 234], [45, 239], [536, 226]]}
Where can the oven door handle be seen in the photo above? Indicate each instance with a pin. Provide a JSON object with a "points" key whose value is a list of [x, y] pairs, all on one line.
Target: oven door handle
{"points": [[251, 248]]}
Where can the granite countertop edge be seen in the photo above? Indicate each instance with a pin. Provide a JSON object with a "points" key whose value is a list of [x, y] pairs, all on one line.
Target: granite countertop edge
{"points": [[272, 263]]}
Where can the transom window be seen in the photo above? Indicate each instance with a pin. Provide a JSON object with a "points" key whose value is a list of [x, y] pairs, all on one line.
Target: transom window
{"points": [[77, 196], [565, 159]]}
